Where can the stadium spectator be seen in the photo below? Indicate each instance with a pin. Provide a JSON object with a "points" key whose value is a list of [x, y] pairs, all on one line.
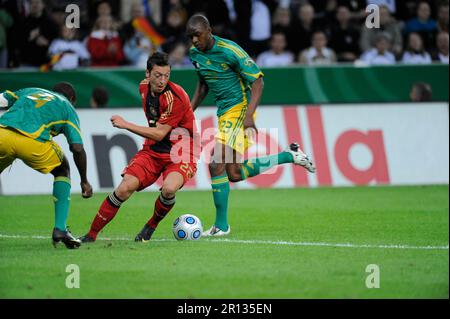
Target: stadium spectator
{"points": [[99, 97], [127, 30], [442, 18], [423, 24], [277, 55], [318, 53], [174, 28], [104, 43], [420, 92], [422, 21], [281, 21], [36, 33], [388, 25], [441, 54], [67, 51], [58, 15], [344, 37], [137, 49], [178, 56], [6, 22], [260, 28], [137, 46], [305, 26], [152, 9], [380, 54], [415, 52], [100, 8]]}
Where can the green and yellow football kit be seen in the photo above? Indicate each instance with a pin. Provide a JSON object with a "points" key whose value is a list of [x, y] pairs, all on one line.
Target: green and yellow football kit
{"points": [[229, 72], [33, 117]]}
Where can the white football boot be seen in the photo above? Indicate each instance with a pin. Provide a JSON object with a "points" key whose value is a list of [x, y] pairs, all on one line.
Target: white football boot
{"points": [[301, 158], [216, 232]]}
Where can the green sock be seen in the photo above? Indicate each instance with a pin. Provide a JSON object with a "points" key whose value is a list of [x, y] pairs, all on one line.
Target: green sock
{"points": [[61, 197], [256, 166], [221, 189]]}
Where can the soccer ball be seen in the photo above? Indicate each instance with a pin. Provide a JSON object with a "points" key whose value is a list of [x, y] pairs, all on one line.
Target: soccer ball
{"points": [[187, 227]]}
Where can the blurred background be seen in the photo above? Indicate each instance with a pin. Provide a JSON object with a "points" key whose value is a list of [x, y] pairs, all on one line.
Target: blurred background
{"points": [[273, 32], [117, 35]]}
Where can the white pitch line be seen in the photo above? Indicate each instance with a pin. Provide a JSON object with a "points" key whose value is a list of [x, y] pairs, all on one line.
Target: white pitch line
{"points": [[262, 242]]}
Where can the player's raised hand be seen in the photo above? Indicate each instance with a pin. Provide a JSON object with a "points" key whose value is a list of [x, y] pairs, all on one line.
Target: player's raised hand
{"points": [[86, 189], [118, 121]]}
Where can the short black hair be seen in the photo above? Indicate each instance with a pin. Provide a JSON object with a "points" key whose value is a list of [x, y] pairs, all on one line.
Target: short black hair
{"points": [[424, 91], [198, 19], [66, 89], [100, 95], [157, 58]]}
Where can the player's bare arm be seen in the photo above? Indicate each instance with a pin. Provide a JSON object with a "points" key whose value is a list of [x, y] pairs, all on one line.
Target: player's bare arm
{"points": [[257, 89], [79, 157], [201, 91], [155, 133]]}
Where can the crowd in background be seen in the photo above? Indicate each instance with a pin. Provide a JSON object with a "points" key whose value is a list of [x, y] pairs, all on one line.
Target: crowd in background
{"points": [[33, 33]]}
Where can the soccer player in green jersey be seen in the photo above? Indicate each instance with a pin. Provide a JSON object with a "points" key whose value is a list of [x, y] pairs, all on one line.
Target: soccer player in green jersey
{"points": [[236, 83], [32, 118]]}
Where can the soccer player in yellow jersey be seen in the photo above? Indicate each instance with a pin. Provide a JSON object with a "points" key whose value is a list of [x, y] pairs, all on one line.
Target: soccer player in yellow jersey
{"points": [[236, 83], [34, 116]]}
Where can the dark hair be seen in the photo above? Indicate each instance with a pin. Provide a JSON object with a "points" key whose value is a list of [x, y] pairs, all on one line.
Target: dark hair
{"points": [[157, 58], [66, 89], [198, 19], [100, 96], [424, 91], [410, 49]]}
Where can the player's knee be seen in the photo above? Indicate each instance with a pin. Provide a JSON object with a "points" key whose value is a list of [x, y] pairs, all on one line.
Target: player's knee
{"points": [[169, 190], [125, 190], [216, 169], [234, 177], [62, 170], [234, 173]]}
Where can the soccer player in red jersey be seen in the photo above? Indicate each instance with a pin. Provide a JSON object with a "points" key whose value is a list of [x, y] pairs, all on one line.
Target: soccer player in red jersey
{"points": [[171, 131]]}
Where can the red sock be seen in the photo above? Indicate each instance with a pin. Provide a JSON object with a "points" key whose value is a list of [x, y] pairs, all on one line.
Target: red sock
{"points": [[105, 214], [162, 208]]}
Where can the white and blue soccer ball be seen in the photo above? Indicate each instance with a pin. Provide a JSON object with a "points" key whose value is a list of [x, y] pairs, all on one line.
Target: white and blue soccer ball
{"points": [[187, 227]]}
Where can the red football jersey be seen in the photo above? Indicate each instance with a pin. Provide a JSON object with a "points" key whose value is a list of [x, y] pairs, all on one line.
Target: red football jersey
{"points": [[175, 110]]}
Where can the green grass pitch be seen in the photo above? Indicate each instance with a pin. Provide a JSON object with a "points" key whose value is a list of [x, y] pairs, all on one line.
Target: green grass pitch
{"points": [[284, 243]]}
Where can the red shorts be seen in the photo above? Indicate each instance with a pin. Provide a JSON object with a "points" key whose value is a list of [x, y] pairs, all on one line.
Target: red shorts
{"points": [[147, 165]]}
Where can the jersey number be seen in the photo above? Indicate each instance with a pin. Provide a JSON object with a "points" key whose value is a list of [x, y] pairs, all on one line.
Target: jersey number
{"points": [[41, 98], [185, 168], [226, 126]]}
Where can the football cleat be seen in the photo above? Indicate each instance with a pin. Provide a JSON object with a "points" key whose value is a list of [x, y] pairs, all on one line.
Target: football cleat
{"points": [[145, 235], [66, 237], [301, 158], [215, 231], [86, 239]]}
